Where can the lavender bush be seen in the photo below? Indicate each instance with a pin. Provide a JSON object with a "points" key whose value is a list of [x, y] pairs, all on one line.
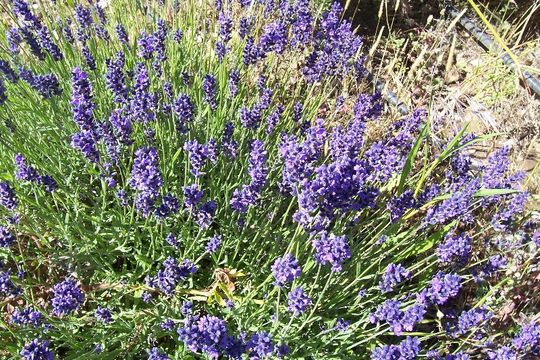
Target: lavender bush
{"points": [[187, 180]]}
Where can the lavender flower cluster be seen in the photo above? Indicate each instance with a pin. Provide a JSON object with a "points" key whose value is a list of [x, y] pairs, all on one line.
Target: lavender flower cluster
{"points": [[177, 187]]}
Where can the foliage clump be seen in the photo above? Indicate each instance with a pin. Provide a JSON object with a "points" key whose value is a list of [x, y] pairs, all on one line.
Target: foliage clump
{"points": [[184, 180]]}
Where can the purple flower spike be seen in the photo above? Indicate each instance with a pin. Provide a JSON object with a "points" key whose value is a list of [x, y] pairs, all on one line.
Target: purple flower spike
{"points": [[331, 249], [285, 269], [68, 297], [37, 349], [298, 301], [393, 275]]}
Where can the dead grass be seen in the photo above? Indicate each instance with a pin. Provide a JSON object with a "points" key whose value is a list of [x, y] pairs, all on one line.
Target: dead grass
{"points": [[431, 62]]}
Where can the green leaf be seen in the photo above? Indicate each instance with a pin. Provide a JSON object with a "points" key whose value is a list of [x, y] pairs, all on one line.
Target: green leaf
{"points": [[427, 244], [494, 192], [410, 158]]}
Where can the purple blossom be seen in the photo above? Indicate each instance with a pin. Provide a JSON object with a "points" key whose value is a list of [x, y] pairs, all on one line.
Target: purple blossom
{"points": [[8, 198], [21, 8], [48, 183], [468, 320], [250, 118], [86, 142], [37, 349], [172, 273], [221, 51], [298, 108], [408, 349], [205, 214], [260, 344], [335, 48], [172, 240], [200, 154], [192, 196], [67, 298], [121, 126], [143, 104], [244, 26], [48, 44], [299, 157], [412, 316], [24, 172], [155, 354], [209, 86], [8, 71], [502, 353], [160, 37], [104, 315], [6, 237], [234, 79], [121, 33], [368, 107], [302, 24], [493, 175], [206, 334], [66, 31], [398, 205], [399, 320], [443, 287], [13, 38], [115, 78], [257, 168], [101, 32], [82, 102], [46, 85], [455, 249], [213, 244], [146, 297], [100, 12], [3, 96], [455, 207], [458, 356], [27, 317], [169, 206], [229, 304], [145, 174], [168, 324], [527, 341], [251, 52], [285, 269], [225, 27], [266, 98], [122, 196], [183, 108], [7, 287], [89, 58], [32, 42], [298, 301], [502, 220], [274, 38], [187, 308], [229, 145], [341, 325], [331, 249], [273, 119], [385, 352], [177, 36], [492, 265], [393, 275], [83, 16]]}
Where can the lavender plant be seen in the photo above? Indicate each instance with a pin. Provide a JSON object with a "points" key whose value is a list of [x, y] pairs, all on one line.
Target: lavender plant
{"points": [[195, 180]]}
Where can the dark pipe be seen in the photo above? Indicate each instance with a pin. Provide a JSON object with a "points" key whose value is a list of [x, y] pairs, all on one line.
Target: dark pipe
{"points": [[487, 42], [388, 95]]}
